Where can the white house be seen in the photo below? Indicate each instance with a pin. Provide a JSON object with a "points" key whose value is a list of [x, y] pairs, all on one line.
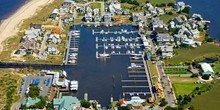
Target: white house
{"points": [[54, 39], [207, 68], [180, 6]]}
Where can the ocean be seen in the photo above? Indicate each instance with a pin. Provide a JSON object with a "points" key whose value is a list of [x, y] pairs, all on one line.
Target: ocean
{"points": [[8, 7]]}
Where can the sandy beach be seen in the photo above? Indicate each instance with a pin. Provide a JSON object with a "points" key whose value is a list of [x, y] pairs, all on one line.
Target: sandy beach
{"points": [[9, 28]]}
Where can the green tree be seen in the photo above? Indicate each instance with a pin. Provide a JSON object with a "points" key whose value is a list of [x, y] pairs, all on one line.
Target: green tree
{"points": [[163, 102], [84, 103], [206, 77]]}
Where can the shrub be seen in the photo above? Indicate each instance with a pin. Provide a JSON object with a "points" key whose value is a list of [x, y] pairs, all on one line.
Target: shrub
{"points": [[206, 77]]}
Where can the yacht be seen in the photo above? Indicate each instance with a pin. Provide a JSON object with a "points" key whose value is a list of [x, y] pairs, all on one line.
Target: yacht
{"points": [[135, 57], [128, 52], [103, 55], [102, 31], [112, 46], [72, 61], [130, 39], [123, 38], [74, 49], [133, 65], [74, 85], [113, 52], [111, 39]]}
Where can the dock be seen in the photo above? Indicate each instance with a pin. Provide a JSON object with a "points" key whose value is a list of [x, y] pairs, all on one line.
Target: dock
{"points": [[72, 48], [113, 32]]}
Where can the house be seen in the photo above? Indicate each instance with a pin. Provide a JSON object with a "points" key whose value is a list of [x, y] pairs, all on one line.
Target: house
{"points": [[122, 102], [136, 101], [189, 42], [96, 11], [52, 49], [36, 26], [32, 33], [148, 6], [64, 9], [164, 38], [97, 18], [136, 17], [160, 11], [29, 101], [54, 13], [167, 51], [68, 3], [88, 9], [160, 30], [55, 82], [66, 103], [107, 18], [118, 11], [194, 16], [88, 17], [180, 37], [180, 6], [54, 39], [81, 8], [156, 22], [172, 24], [180, 19], [63, 74], [195, 33], [56, 30], [207, 69], [126, 11], [26, 47]]}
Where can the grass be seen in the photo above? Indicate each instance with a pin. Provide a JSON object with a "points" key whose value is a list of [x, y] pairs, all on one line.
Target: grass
{"points": [[176, 71], [127, 20], [166, 18], [182, 88], [153, 71], [78, 20], [207, 101], [216, 69], [177, 79], [154, 2], [188, 54], [10, 84], [132, 8], [95, 5]]}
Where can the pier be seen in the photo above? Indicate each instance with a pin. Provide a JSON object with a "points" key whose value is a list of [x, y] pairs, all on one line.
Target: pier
{"points": [[72, 48], [113, 32]]}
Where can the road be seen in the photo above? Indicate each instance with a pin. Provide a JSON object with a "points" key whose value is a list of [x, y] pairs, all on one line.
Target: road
{"points": [[167, 87], [43, 47]]}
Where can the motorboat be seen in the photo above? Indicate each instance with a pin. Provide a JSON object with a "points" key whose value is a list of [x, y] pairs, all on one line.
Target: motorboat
{"points": [[130, 39], [72, 61], [102, 31], [103, 55], [111, 39], [74, 49], [128, 52], [133, 65], [74, 85], [113, 52], [135, 57]]}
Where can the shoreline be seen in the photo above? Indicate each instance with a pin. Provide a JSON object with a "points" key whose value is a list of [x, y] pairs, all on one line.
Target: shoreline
{"points": [[9, 25]]}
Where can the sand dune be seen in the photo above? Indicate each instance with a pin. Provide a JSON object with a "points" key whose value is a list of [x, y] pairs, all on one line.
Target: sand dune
{"points": [[9, 28]]}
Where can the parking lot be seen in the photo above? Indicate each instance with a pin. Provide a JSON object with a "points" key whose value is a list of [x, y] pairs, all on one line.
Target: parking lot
{"points": [[44, 87]]}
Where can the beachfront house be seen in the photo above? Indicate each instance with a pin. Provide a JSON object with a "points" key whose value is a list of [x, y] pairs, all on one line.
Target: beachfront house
{"points": [[52, 49], [180, 19], [180, 6], [68, 3], [97, 18], [27, 46], [156, 22], [33, 33], [66, 103], [88, 17], [96, 11], [54, 13], [36, 26], [80, 8], [64, 9]]}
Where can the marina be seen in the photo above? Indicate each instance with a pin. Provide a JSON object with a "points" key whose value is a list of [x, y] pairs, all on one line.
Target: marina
{"points": [[114, 43]]}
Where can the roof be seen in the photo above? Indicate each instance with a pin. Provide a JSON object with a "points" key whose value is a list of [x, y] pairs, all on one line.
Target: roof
{"points": [[122, 102], [30, 101], [206, 67], [27, 44], [66, 102], [208, 73]]}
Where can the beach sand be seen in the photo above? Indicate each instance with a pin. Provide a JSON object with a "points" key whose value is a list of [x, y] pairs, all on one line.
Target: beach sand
{"points": [[9, 26]]}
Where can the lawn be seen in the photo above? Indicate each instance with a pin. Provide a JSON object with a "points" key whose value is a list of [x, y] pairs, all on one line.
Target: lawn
{"points": [[166, 18], [177, 79], [188, 54], [95, 5], [154, 2], [216, 69], [176, 71], [131, 7], [207, 101], [78, 20], [153, 71], [182, 88]]}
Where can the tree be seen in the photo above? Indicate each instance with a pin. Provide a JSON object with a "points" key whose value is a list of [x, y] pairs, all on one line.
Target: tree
{"points": [[206, 77], [191, 108], [163, 102], [198, 19], [186, 10], [84, 103], [180, 97], [170, 4], [124, 108], [95, 105]]}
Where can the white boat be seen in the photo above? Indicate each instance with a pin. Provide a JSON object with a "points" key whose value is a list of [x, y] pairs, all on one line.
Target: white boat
{"points": [[126, 39], [110, 24], [73, 58], [128, 52], [132, 52], [111, 39], [103, 39], [135, 57], [72, 61], [74, 85], [113, 52], [74, 49], [136, 54], [102, 55], [106, 47], [76, 31], [130, 39], [75, 34], [102, 31], [133, 65], [112, 46], [73, 54], [123, 38], [131, 46]]}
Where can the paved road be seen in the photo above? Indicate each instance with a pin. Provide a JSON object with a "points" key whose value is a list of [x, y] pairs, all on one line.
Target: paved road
{"points": [[167, 87]]}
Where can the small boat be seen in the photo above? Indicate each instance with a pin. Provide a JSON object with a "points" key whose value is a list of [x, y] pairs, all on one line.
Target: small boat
{"points": [[133, 65], [111, 39], [103, 55], [74, 85]]}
